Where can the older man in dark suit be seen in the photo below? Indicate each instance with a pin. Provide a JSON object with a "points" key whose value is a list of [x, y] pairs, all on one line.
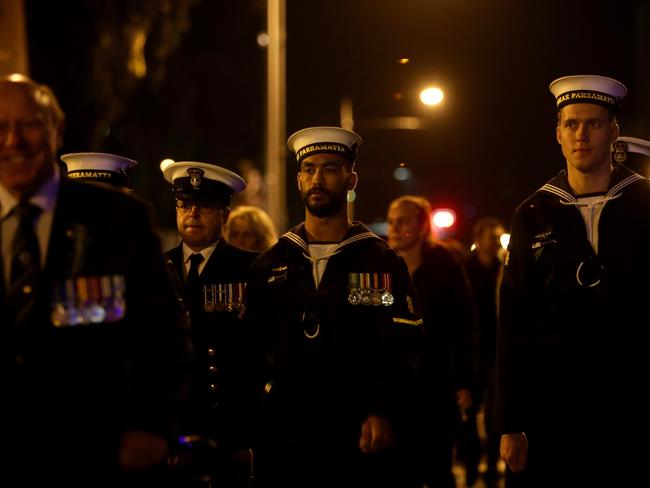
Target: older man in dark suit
{"points": [[95, 357]]}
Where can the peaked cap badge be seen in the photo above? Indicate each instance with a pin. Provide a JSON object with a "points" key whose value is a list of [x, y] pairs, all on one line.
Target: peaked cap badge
{"points": [[195, 176]]}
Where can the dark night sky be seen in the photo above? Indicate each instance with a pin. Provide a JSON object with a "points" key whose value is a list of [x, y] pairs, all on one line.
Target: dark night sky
{"points": [[487, 147]]}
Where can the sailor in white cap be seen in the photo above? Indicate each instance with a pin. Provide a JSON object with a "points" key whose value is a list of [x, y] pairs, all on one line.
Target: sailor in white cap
{"points": [[330, 140], [100, 167], [624, 147], [573, 304], [212, 277], [331, 152], [323, 302], [592, 89], [634, 152]]}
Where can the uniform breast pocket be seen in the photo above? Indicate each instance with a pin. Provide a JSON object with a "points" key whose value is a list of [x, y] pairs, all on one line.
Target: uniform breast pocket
{"points": [[277, 276], [87, 300]]}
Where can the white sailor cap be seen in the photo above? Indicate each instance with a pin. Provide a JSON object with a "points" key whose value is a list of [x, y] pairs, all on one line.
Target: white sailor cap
{"points": [[596, 89], [334, 140], [198, 181], [626, 145], [100, 167]]}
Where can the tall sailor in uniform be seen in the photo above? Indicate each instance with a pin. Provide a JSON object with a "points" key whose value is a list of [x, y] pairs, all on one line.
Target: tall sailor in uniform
{"points": [[100, 168], [213, 276], [332, 305], [573, 329]]}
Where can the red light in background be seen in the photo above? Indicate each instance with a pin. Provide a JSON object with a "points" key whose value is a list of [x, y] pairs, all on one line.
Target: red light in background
{"points": [[443, 218]]}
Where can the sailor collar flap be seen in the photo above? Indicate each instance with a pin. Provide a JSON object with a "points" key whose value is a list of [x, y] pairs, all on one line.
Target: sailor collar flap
{"points": [[621, 178], [297, 237]]}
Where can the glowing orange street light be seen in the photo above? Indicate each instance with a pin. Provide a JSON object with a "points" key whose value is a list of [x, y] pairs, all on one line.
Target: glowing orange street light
{"points": [[432, 96]]}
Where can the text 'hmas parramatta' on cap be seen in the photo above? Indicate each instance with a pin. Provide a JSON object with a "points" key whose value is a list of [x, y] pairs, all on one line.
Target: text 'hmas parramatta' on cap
{"points": [[101, 167], [332, 140], [599, 90]]}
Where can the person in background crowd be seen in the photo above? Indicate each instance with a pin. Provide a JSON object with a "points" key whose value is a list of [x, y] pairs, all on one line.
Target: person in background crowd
{"points": [[483, 268], [449, 349], [96, 361], [250, 228]]}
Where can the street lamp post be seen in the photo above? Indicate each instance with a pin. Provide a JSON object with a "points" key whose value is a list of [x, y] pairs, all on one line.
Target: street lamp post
{"points": [[276, 113]]}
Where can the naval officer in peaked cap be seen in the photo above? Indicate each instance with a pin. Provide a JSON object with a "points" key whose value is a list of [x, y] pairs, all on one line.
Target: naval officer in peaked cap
{"points": [[211, 275], [332, 304], [572, 335]]}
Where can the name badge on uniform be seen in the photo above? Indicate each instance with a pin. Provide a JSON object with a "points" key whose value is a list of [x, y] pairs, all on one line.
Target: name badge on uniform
{"points": [[279, 274]]}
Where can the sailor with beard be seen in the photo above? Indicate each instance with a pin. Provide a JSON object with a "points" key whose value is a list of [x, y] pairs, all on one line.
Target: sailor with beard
{"points": [[212, 276], [332, 305]]}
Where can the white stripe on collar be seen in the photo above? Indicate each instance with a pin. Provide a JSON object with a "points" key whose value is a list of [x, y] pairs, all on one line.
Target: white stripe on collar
{"points": [[299, 241], [622, 184], [614, 192], [558, 191], [296, 239]]}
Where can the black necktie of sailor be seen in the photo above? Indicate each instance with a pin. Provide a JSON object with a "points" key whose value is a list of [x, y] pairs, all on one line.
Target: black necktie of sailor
{"points": [[25, 265]]}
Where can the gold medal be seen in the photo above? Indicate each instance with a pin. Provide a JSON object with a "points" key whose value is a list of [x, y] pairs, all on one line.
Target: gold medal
{"points": [[73, 315], [366, 298], [387, 299], [96, 312], [59, 316], [219, 302], [230, 297], [354, 297], [208, 299]]}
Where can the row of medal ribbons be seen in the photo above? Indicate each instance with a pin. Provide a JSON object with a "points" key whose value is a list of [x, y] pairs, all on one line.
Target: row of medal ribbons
{"points": [[87, 300], [370, 289], [223, 296]]}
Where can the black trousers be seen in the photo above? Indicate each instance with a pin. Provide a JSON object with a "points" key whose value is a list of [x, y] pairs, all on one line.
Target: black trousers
{"points": [[311, 468]]}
